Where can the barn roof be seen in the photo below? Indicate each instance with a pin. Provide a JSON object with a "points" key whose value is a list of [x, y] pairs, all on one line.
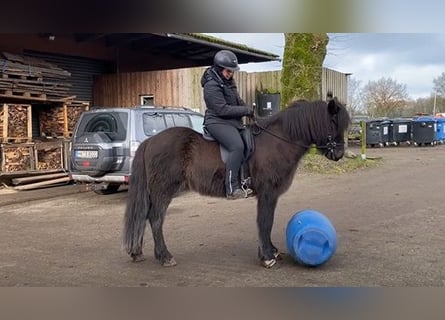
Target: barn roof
{"points": [[197, 48]]}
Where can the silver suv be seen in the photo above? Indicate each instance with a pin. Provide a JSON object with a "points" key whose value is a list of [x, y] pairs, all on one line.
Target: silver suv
{"points": [[105, 141]]}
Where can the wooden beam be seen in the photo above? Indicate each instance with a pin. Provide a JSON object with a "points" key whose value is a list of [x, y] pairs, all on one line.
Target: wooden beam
{"points": [[65, 121], [29, 122], [43, 183], [16, 181], [5, 120]]}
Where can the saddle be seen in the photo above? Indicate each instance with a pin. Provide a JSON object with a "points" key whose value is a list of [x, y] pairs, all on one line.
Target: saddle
{"points": [[249, 148]]}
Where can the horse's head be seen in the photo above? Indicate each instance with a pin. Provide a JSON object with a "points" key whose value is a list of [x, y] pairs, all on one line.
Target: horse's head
{"points": [[338, 121]]}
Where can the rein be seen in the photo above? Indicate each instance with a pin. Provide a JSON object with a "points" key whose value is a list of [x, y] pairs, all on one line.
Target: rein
{"points": [[329, 146]]}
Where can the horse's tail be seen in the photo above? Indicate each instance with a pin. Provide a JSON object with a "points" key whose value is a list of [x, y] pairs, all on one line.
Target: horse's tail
{"points": [[138, 205]]}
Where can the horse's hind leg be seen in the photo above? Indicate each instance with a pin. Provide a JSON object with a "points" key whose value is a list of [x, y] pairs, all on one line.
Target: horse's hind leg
{"points": [[156, 218], [267, 252]]}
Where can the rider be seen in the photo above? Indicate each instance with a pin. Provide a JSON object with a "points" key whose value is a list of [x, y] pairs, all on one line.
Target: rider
{"points": [[223, 117]]}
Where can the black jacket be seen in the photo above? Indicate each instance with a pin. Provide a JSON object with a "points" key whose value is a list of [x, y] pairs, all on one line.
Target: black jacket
{"points": [[224, 105]]}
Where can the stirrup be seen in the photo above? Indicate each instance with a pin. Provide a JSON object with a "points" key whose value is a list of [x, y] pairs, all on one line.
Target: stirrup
{"points": [[247, 191], [245, 187]]}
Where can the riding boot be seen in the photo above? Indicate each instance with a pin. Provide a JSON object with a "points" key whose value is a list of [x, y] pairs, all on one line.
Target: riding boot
{"points": [[233, 189]]}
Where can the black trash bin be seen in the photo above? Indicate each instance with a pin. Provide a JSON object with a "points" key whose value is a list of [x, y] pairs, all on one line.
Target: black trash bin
{"points": [[268, 104], [377, 132], [400, 131], [424, 131]]}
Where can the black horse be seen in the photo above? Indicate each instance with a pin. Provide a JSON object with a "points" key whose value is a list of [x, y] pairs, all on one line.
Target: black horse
{"points": [[179, 159]]}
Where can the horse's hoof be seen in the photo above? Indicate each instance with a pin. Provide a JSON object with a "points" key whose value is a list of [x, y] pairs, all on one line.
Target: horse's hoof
{"points": [[169, 263], [138, 258], [277, 255], [269, 263]]}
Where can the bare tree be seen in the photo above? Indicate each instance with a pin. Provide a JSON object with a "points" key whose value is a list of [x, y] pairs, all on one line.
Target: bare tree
{"points": [[355, 105], [439, 92], [385, 97], [439, 84]]}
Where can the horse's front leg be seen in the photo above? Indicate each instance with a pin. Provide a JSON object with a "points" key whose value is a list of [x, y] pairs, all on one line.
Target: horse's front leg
{"points": [[267, 252]]}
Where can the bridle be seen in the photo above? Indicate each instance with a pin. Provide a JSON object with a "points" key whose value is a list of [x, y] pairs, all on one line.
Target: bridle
{"points": [[329, 146]]}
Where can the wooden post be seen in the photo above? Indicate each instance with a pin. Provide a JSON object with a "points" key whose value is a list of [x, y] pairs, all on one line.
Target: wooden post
{"points": [[3, 158], [29, 122], [34, 158], [363, 125], [5, 120], [65, 120]]}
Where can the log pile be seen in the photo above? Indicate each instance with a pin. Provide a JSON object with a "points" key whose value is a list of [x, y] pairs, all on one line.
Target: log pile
{"points": [[49, 156], [74, 110], [26, 81], [52, 121], [34, 165], [17, 158], [60, 120], [32, 78], [15, 122], [31, 157]]}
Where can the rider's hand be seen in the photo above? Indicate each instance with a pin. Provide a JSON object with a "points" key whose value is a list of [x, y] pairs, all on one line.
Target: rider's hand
{"points": [[250, 112]]}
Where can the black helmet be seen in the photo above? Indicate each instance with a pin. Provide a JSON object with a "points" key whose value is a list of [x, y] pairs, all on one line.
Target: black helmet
{"points": [[226, 59]]}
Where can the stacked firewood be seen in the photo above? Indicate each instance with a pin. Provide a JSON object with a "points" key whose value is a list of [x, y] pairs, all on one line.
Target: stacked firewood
{"points": [[15, 122], [16, 158], [27, 77], [59, 121], [39, 156], [52, 121], [74, 110], [18, 120], [49, 156], [33, 165]]}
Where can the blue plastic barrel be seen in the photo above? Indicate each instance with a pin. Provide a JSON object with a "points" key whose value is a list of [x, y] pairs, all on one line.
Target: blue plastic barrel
{"points": [[311, 238]]}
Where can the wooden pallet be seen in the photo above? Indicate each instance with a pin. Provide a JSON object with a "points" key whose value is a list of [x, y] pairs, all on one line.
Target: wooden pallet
{"points": [[20, 76], [22, 94]]}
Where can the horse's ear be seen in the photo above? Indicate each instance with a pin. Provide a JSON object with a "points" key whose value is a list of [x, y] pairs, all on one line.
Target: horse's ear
{"points": [[333, 106], [329, 95]]}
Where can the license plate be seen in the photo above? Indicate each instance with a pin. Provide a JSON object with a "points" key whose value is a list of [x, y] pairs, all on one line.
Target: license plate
{"points": [[86, 154]]}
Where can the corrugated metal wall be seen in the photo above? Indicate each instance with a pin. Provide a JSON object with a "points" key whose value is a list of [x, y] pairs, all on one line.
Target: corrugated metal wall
{"points": [[82, 72], [182, 87], [336, 82]]}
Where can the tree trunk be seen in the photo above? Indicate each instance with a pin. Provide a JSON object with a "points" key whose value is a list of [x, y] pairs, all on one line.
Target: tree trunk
{"points": [[303, 58]]}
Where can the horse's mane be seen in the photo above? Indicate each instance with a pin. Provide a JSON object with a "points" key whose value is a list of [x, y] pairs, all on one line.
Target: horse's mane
{"points": [[307, 120]]}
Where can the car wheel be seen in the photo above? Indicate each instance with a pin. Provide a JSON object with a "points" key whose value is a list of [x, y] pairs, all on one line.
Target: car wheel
{"points": [[111, 188]]}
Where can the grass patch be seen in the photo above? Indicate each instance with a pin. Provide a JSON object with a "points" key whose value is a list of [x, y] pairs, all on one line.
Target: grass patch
{"points": [[315, 163]]}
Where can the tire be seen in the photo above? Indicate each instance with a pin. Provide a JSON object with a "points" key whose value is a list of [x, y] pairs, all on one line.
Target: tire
{"points": [[110, 189]]}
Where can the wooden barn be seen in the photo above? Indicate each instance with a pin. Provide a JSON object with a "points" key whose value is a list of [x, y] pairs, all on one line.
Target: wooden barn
{"points": [[47, 80]]}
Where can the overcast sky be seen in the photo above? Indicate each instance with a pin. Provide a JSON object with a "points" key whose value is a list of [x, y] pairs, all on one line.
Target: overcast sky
{"points": [[413, 59]]}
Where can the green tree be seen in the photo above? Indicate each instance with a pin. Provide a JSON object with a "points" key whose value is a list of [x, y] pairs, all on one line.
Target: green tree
{"points": [[302, 66]]}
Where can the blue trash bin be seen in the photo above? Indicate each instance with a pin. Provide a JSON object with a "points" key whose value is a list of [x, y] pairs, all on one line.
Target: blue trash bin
{"points": [[311, 238], [440, 130]]}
